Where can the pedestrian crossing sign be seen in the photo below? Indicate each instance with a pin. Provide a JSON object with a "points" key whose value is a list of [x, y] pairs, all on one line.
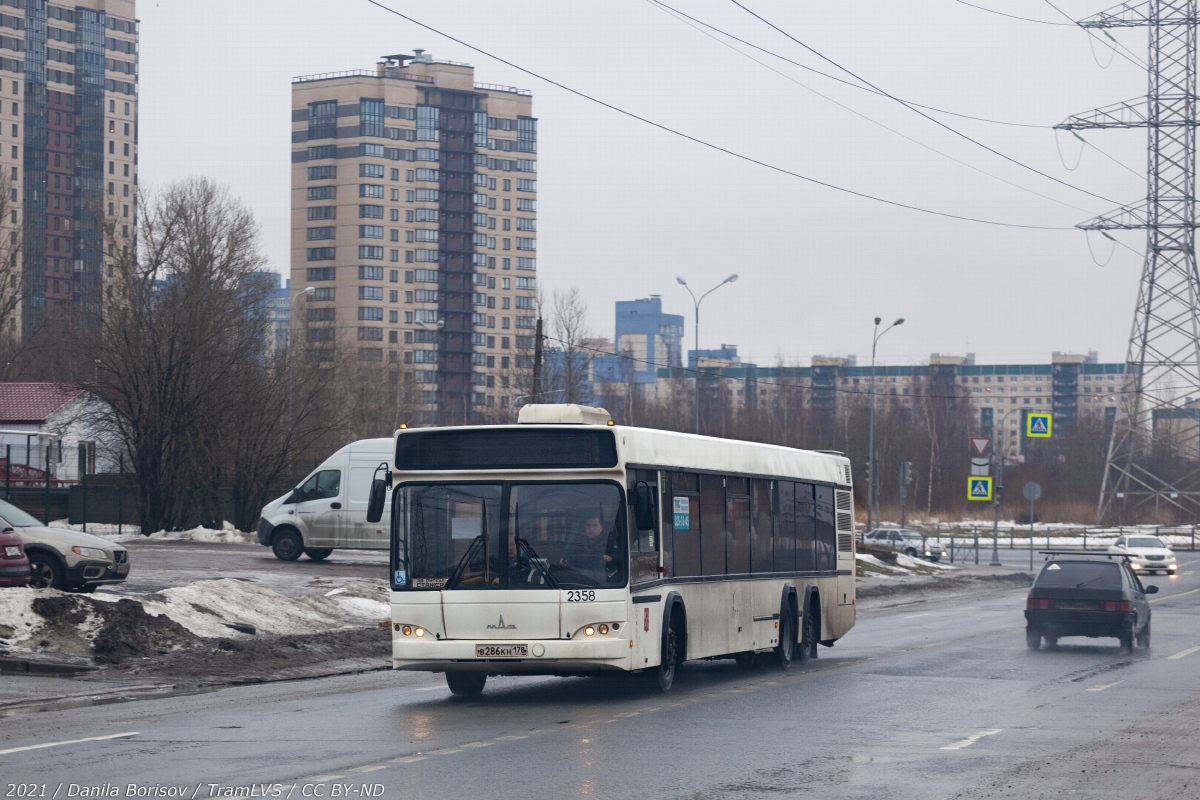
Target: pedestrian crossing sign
{"points": [[979, 488], [1038, 426]]}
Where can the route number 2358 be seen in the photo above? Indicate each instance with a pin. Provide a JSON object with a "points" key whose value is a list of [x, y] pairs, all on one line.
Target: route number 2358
{"points": [[580, 596]]}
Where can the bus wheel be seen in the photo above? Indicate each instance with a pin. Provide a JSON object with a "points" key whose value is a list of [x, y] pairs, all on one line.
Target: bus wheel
{"points": [[809, 633], [466, 684], [664, 673], [287, 545], [787, 637]]}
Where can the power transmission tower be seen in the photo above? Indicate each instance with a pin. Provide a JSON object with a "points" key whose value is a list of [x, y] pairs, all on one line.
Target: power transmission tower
{"points": [[1153, 450]]}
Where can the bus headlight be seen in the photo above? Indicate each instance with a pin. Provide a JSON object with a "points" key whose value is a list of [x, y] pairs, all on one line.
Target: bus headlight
{"points": [[419, 632], [406, 630], [589, 630], [603, 629]]}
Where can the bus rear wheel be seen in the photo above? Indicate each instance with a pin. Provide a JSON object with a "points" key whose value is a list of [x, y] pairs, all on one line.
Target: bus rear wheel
{"points": [[786, 648], [466, 684]]}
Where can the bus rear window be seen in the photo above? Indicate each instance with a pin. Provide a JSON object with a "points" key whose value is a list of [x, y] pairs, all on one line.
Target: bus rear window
{"points": [[536, 448]]}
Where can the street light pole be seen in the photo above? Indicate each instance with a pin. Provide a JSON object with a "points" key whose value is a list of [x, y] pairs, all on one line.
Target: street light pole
{"points": [[696, 303], [872, 491], [996, 490]]}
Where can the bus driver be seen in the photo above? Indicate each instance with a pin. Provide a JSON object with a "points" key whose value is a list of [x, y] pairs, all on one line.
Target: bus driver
{"points": [[591, 551]]}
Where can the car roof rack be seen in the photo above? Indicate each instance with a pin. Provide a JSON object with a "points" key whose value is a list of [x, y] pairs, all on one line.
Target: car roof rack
{"points": [[1086, 553]]}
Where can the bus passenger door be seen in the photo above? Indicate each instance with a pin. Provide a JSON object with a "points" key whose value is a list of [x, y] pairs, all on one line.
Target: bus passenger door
{"points": [[645, 544]]}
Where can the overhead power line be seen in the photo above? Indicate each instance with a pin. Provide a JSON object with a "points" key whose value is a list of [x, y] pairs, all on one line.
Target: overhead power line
{"points": [[1116, 46], [916, 110], [664, 8], [843, 81], [716, 147], [1014, 16]]}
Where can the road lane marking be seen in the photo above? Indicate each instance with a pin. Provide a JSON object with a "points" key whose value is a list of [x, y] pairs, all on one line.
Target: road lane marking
{"points": [[1173, 596], [1183, 653], [372, 768], [511, 737], [922, 614], [407, 759], [972, 739], [1100, 687], [477, 744], [323, 778], [445, 751], [72, 741]]}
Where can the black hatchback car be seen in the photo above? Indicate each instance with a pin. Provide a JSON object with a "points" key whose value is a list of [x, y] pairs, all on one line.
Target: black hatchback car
{"points": [[1079, 594]]}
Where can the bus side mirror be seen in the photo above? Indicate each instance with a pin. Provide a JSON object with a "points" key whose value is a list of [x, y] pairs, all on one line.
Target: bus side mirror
{"points": [[379, 487], [378, 496], [644, 506]]}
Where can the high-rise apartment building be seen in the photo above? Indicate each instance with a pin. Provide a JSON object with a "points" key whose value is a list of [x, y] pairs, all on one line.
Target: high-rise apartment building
{"points": [[68, 148], [414, 217]]}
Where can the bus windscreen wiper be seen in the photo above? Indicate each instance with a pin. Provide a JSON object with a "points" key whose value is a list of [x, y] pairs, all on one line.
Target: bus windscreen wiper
{"points": [[463, 562], [527, 548]]}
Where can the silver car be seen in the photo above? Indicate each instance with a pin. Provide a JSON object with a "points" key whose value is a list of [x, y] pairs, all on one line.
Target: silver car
{"points": [[64, 559], [905, 541]]}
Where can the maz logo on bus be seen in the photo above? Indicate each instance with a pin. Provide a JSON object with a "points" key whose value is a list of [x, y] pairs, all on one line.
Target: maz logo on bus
{"points": [[499, 626], [579, 597]]}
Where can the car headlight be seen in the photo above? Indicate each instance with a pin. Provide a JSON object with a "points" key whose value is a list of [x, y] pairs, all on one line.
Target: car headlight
{"points": [[89, 552]]}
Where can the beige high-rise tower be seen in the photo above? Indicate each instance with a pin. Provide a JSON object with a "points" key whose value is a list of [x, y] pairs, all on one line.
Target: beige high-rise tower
{"points": [[414, 218], [68, 153]]}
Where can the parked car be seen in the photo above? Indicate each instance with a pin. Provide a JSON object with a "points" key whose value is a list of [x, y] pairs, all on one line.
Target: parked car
{"points": [[905, 541], [14, 564], [1146, 554], [60, 558], [1087, 595], [328, 509]]}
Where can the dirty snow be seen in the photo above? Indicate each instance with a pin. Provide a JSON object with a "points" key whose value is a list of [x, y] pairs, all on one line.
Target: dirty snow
{"points": [[916, 563], [871, 562], [203, 608], [129, 533]]}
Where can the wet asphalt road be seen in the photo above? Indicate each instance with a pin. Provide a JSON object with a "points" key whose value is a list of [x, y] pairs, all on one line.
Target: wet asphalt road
{"points": [[934, 699]]}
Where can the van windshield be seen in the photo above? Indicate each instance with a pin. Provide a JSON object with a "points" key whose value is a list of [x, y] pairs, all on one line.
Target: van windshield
{"points": [[509, 536]]}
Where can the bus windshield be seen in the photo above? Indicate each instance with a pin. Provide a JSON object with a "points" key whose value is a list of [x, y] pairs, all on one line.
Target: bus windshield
{"points": [[509, 535]]}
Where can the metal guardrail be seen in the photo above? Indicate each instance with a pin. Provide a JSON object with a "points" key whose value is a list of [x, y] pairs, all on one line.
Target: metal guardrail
{"points": [[965, 544], [360, 73], [495, 87]]}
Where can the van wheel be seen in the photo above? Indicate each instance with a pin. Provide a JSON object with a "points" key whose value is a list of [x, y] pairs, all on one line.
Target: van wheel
{"points": [[287, 545], [787, 638], [466, 684], [664, 673], [318, 553]]}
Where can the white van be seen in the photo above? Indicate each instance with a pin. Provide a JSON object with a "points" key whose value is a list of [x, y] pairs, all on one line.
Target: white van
{"points": [[328, 509]]}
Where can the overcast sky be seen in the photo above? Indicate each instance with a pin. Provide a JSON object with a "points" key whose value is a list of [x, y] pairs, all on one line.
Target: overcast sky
{"points": [[625, 208]]}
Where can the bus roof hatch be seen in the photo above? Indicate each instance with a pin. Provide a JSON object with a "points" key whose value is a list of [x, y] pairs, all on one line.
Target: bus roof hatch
{"points": [[563, 414]]}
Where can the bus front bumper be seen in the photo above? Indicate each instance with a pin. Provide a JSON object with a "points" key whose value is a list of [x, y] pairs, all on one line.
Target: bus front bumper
{"points": [[545, 656]]}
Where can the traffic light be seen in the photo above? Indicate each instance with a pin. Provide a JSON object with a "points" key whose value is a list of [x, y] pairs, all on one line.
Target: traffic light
{"points": [[906, 472], [867, 474]]}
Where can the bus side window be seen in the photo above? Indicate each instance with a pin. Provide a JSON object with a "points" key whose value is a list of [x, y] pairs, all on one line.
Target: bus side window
{"points": [[785, 527], [737, 525], [826, 532], [806, 533], [712, 524], [685, 528], [761, 550]]}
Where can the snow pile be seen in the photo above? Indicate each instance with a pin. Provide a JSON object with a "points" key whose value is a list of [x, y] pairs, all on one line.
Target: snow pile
{"points": [[871, 564], [129, 533], [916, 563], [205, 608], [111, 627]]}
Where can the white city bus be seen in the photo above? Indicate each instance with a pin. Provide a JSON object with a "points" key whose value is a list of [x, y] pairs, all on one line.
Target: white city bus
{"points": [[565, 545]]}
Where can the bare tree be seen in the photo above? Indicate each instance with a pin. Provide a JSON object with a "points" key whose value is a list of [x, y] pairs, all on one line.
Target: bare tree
{"points": [[175, 345], [570, 351]]}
